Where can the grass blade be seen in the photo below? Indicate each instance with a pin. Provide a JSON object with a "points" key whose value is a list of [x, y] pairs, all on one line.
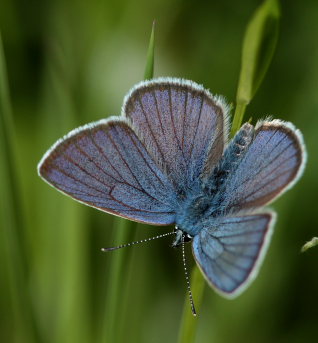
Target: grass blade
{"points": [[12, 219], [258, 49], [150, 55], [125, 232], [189, 323]]}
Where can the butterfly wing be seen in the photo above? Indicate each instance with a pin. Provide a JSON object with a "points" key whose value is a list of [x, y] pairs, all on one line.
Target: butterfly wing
{"points": [[272, 163], [182, 125], [104, 165], [230, 253]]}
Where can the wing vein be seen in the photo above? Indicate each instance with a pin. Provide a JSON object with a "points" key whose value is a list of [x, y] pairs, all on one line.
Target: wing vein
{"points": [[238, 234], [264, 185], [145, 160], [96, 164], [221, 257], [105, 156], [196, 128], [70, 159], [184, 118], [157, 110], [75, 179], [122, 158], [173, 125], [266, 166], [135, 208], [150, 129]]}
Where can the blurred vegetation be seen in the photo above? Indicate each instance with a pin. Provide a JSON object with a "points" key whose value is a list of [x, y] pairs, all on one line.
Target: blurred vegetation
{"points": [[69, 63]]}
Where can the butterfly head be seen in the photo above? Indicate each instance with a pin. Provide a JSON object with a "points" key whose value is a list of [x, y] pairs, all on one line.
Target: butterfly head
{"points": [[181, 237]]}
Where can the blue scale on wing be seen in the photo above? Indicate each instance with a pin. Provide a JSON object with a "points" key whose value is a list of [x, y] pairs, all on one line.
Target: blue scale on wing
{"points": [[180, 125], [107, 167], [228, 251], [270, 164]]}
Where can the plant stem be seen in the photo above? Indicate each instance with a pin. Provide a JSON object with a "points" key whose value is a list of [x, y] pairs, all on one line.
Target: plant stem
{"points": [[189, 323], [238, 117], [125, 230]]}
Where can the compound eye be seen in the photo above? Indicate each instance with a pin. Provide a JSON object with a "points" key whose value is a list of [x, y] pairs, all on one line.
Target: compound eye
{"points": [[187, 238]]}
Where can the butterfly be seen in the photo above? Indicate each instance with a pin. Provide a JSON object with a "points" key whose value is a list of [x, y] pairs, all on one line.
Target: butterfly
{"points": [[168, 160]]}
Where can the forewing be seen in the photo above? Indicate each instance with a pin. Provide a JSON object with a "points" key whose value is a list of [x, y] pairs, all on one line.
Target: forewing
{"points": [[104, 165], [273, 162], [181, 124], [230, 253]]}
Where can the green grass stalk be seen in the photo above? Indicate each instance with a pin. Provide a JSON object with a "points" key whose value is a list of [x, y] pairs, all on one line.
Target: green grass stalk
{"points": [[258, 49], [189, 323], [125, 232], [150, 61], [12, 224]]}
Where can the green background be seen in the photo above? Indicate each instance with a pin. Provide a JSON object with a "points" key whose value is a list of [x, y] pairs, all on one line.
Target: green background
{"points": [[72, 62]]}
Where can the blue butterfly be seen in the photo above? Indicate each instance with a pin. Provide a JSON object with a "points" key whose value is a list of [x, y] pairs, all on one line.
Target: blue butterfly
{"points": [[167, 160]]}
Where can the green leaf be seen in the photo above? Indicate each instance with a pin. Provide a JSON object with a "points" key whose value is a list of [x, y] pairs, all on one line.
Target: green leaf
{"points": [[150, 55], [258, 49], [313, 242]]}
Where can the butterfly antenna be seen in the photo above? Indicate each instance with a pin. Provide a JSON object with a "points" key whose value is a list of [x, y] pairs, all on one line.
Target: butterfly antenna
{"points": [[187, 279], [137, 242]]}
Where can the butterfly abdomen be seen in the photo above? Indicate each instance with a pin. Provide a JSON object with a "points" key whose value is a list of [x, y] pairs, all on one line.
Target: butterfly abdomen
{"points": [[233, 154]]}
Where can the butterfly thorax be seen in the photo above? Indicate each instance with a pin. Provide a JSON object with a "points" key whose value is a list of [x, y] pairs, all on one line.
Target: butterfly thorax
{"points": [[206, 198], [191, 214]]}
